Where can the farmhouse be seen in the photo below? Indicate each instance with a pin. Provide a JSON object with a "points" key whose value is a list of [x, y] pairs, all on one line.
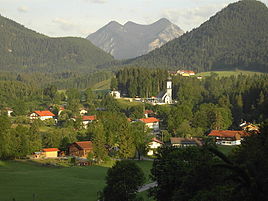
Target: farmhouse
{"points": [[42, 115], [80, 149], [185, 142], [151, 122], [50, 152], [153, 145], [228, 137]]}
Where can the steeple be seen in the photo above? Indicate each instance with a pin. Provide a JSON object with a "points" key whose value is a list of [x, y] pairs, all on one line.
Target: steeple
{"points": [[169, 89]]}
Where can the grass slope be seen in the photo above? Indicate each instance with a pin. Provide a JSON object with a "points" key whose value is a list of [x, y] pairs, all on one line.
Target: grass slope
{"points": [[22, 179], [228, 73]]}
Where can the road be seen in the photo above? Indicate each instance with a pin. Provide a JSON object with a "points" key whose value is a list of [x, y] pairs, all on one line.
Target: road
{"points": [[147, 186]]}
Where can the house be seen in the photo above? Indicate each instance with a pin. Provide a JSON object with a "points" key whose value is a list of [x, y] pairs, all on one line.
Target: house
{"points": [[151, 122], [42, 115], [82, 111], [115, 94], [80, 149], [88, 119], [165, 97], [228, 137], [185, 73], [9, 111], [148, 113], [50, 152], [185, 142], [249, 127], [153, 145]]}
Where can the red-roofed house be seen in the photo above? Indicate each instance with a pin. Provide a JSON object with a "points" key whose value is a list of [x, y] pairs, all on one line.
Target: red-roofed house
{"points": [[42, 115], [153, 145], [50, 152], [151, 122], [80, 149], [88, 119], [228, 137], [148, 113]]}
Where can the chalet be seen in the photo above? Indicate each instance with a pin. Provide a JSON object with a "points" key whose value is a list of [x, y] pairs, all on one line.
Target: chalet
{"points": [[42, 115], [115, 94], [185, 142], [50, 152], [249, 127], [88, 119], [151, 122], [80, 149], [228, 137], [186, 73], [153, 145]]}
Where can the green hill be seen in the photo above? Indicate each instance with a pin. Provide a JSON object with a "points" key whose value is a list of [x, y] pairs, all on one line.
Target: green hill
{"points": [[22, 49], [236, 37]]}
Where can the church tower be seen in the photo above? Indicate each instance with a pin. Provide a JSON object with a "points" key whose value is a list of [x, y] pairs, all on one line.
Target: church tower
{"points": [[169, 90]]}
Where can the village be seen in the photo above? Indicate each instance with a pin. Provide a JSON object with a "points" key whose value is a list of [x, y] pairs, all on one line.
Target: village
{"points": [[81, 150]]}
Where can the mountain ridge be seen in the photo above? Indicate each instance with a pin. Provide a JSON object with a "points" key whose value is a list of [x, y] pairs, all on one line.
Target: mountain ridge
{"points": [[132, 39]]}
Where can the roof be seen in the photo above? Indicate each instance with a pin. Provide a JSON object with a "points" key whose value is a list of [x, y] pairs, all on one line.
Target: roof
{"points": [[89, 118], [161, 94], [149, 120], [44, 113], [148, 111], [158, 141], [227, 133], [50, 149], [181, 140], [84, 144]]}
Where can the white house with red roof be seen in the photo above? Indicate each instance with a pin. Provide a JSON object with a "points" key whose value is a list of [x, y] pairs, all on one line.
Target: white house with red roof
{"points": [[151, 122], [42, 115], [228, 137], [88, 119], [153, 145]]}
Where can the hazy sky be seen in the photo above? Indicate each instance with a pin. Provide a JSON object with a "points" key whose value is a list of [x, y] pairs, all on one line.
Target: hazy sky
{"points": [[82, 17]]}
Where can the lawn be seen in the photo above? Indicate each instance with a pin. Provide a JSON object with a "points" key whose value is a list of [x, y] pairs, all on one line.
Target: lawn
{"points": [[23, 179], [228, 73], [226, 149]]}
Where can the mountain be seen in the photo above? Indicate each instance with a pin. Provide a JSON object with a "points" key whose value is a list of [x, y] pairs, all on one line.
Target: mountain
{"points": [[22, 49], [131, 40], [236, 37]]}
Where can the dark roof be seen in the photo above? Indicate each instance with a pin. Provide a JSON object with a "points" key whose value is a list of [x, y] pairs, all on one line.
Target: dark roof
{"points": [[185, 141], [161, 94]]}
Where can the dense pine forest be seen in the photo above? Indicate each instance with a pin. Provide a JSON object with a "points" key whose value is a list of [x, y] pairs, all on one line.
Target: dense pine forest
{"points": [[24, 50], [236, 37]]}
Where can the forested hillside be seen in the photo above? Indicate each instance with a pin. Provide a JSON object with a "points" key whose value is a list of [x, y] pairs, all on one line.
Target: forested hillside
{"points": [[236, 37], [22, 49]]}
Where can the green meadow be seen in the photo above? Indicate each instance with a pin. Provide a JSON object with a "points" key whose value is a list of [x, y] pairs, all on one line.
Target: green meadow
{"points": [[28, 180], [228, 73]]}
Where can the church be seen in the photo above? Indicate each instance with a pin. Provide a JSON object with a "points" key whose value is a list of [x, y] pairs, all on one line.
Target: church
{"points": [[165, 97]]}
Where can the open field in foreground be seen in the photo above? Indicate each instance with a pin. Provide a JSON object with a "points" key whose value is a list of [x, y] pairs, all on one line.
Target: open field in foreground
{"points": [[228, 73], [23, 179]]}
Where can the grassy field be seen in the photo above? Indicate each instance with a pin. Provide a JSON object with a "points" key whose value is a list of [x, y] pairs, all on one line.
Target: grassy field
{"points": [[228, 73], [226, 149], [23, 179]]}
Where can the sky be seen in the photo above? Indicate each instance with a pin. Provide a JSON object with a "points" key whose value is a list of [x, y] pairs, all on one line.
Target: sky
{"points": [[58, 18]]}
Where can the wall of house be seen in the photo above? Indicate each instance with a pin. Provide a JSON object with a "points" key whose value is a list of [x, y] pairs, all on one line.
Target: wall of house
{"points": [[51, 154]]}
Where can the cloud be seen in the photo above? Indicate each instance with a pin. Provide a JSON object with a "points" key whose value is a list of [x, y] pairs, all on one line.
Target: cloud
{"points": [[98, 1], [191, 18], [64, 24], [23, 9]]}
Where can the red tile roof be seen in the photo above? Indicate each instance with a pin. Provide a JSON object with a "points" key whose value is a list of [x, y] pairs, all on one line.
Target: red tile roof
{"points": [[158, 141], [84, 144], [89, 118], [44, 113], [150, 120], [227, 133], [50, 149]]}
